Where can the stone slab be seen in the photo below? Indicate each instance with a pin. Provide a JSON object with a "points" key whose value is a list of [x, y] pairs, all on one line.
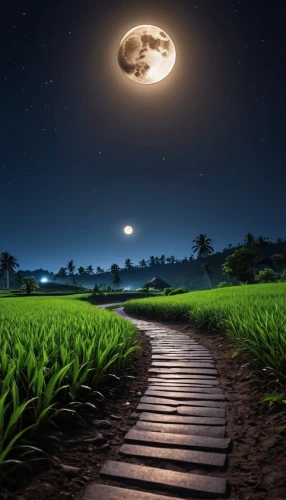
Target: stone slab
{"points": [[185, 395], [193, 376], [182, 364], [184, 356], [181, 402], [187, 371], [182, 388], [179, 419], [187, 380], [206, 412], [186, 440], [179, 348], [95, 491], [167, 480], [194, 430], [177, 455], [182, 410], [156, 408]]}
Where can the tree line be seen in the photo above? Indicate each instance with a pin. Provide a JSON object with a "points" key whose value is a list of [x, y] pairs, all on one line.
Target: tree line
{"points": [[236, 265]]}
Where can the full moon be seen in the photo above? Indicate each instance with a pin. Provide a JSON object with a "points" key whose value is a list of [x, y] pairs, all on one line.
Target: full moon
{"points": [[128, 230], [146, 54]]}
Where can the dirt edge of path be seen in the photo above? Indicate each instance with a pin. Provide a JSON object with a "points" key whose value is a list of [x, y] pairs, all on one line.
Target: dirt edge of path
{"points": [[257, 462]]}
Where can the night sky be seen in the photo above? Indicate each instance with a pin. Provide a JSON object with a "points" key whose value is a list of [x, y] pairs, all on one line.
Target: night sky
{"points": [[86, 151]]}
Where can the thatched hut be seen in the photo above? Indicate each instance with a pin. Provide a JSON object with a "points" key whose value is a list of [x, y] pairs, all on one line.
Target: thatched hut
{"points": [[157, 284]]}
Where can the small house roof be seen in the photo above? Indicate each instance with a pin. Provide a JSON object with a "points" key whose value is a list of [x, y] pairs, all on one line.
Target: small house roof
{"points": [[158, 283]]}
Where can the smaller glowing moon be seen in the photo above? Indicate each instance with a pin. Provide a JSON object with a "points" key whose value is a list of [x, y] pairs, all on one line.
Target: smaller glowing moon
{"points": [[128, 230], [44, 280]]}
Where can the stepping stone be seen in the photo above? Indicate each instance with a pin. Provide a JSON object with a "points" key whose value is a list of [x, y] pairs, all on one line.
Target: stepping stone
{"points": [[175, 376], [178, 419], [184, 395], [183, 387], [184, 380], [179, 348], [167, 355], [181, 352], [95, 491], [191, 441], [187, 388], [187, 456], [182, 410], [172, 402], [167, 341], [182, 364], [194, 430], [166, 480], [198, 371], [157, 408], [206, 412]]}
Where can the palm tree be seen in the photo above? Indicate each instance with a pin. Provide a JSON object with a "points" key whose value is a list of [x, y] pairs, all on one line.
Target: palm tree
{"points": [[62, 273], [157, 261], [89, 270], [81, 270], [143, 263], [114, 268], [8, 263], [162, 259], [206, 272], [151, 261], [99, 270], [203, 245], [2, 279], [128, 264], [172, 259], [71, 267], [116, 279], [249, 239]]}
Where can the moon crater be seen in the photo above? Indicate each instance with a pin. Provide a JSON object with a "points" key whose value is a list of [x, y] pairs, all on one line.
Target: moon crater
{"points": [[146, 54]]}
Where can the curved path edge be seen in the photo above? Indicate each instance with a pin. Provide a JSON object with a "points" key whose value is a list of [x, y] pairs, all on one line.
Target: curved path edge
{"points": [[180, 426]]}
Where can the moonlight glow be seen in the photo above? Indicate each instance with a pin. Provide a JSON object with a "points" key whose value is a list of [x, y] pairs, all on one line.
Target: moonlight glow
{"points": [[146, 54], [44, 280], [128, 230]]}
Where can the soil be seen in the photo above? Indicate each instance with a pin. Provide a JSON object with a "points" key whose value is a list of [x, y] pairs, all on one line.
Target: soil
{"points": [[257, 462]]}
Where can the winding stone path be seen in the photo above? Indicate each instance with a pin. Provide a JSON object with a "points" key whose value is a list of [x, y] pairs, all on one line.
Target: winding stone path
{"points": [[180, 427]]}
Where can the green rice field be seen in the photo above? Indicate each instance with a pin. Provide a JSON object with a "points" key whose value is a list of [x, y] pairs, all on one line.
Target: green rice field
{"points": [[51, 349], [254, 317]]}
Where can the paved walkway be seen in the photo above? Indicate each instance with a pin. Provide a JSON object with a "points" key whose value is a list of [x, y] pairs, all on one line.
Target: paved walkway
{"points": [[181, 419]]}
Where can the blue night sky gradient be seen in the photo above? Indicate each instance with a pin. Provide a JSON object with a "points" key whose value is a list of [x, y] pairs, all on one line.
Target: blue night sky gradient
{"points": [[85, 151]]}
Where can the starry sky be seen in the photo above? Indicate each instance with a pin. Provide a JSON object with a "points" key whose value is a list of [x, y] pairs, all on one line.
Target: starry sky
{"points": [[86, 151]]}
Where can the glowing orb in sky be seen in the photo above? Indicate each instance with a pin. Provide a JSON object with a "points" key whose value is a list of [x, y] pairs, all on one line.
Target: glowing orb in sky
{"points": [[44, 280], [146, 54], [128, 230]]}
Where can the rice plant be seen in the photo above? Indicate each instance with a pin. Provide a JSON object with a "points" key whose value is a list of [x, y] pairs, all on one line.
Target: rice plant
{"points": [[49, 348], [253, 316]]}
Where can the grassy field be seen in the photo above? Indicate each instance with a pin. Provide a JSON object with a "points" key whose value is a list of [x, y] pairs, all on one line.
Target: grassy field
{"points": [[254, 316], [51, 351]]}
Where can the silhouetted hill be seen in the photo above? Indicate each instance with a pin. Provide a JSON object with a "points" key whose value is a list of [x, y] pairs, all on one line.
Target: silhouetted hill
{"points": [[180, 274]]}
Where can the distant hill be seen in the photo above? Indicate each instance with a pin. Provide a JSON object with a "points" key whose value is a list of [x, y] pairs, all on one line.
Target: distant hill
{"points": [[181, 274]]}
